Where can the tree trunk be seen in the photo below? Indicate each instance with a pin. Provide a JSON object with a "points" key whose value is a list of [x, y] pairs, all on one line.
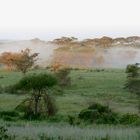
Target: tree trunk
{"points": [[50, 107], [24, 73], [36, 107], [36, 104]]}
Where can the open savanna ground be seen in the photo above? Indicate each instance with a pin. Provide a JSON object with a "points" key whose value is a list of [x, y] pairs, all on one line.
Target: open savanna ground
{"points": [[87, 86]]}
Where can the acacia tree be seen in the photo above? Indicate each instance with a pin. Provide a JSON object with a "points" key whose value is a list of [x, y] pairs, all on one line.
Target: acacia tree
{"points": [[22, 61], [63, 76], [6, 58], [38, 85], [133, 80], [55, 67]]}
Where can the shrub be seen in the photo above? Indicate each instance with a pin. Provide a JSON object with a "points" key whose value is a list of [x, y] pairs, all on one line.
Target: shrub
{"points": [[4, 134], [132, 70], [63, 77], [9, 115], [73, 120], [130, 119], [133, 79], [99, 107], [98, 70], [27, 108], [103, 138], [100, 114], [133, 85], [89, 114], [56, 118], [40, 103], [36, 82]]}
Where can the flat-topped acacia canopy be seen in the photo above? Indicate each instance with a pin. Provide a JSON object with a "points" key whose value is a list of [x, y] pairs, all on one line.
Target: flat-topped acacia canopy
{"points": [[36, 82]]}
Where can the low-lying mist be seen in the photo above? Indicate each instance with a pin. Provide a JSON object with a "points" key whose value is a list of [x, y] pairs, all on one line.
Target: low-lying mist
{"points": [[121, 56], [97, 57], [113, 57], [44, 49]]}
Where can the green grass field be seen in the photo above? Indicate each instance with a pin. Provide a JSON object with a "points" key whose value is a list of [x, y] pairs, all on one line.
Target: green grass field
{"points": [[106, 87]]}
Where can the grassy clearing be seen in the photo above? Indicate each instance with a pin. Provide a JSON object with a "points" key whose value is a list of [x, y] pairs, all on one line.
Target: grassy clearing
{"points": [[87, 86]]}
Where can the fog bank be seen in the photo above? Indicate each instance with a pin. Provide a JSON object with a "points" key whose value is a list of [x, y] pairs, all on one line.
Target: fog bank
{"points": [[94, 57], [44, 49], [113, 57]]}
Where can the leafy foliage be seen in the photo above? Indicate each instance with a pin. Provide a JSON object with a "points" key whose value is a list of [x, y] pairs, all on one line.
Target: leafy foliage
{"points": [[6, 59], [132, 71], [9, 115], [22, 61], [133, 80], [98, 113], [40, 103], [4, 134], [63, 76], [133, 85], [130, 119], [36, 82], [103, 138]]}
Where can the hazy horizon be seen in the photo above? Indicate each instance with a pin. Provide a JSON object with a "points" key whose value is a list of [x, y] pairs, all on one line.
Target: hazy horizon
{"points": [[49, 37], [47, 19]]}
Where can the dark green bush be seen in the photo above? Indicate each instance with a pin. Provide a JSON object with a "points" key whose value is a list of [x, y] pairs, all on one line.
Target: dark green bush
{"points": [[8, 118], [57, 118], [36, 82], [40, 104], [99, 107], [73, 120], [108, 118], [9, 115], [130, 119], [103, 138], [4, 134], [99, 70], [133, 85], [133, 79], [89, 114], [97, 113], [132, 70], [26, 108]]}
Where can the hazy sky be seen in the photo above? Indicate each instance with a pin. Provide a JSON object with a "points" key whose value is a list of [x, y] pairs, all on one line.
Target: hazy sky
{"points": [[48, 19]]}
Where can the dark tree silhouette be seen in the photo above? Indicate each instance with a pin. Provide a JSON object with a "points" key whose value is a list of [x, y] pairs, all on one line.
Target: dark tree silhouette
{"points": [[38, 85]]}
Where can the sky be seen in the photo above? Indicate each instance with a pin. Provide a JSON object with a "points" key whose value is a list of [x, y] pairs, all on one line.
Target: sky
{"points": [[49, 19]]}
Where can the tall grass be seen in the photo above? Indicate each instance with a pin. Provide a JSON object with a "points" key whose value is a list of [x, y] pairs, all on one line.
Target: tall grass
{"points": [[76, 133]]}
